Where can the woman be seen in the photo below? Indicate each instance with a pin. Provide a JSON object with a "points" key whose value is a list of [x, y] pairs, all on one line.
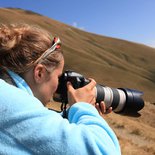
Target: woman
{"points": [[31, 64]]}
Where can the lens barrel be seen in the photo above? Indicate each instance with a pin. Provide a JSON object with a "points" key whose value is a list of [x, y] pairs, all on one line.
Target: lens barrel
{"points": [[134, 101], [120, 99]]}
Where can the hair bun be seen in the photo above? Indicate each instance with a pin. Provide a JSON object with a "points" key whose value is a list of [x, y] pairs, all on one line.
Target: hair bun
{"points": [[8, 39]]}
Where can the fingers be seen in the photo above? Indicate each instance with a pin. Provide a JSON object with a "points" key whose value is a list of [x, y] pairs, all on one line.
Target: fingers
{"points": [[97, 106], [109, 110], [102, 108], [92, 83], [83, 94], [70, 87]]}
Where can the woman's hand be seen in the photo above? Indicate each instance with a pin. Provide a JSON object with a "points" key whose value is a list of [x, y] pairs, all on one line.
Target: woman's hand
{"points": [[102, 108], [84, 94]]}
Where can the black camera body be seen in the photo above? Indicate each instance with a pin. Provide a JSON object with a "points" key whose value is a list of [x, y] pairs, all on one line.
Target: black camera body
{"points": [[120, 99]]}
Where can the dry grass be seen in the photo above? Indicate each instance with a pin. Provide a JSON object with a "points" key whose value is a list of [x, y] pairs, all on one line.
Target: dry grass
{"points": [[136, 135], [113, 62]]}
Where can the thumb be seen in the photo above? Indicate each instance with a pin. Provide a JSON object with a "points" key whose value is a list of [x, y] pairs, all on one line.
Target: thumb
{"points": [[69, 86]]}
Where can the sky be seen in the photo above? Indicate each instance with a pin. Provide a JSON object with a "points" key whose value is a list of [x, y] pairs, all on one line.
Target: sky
{"points": [[132, 20]]}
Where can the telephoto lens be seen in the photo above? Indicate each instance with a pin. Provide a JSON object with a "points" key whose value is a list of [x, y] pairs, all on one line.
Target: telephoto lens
{"points": [[120, 99]]}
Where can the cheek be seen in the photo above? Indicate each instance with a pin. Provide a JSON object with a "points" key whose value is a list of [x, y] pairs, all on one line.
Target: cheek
{"points": [[54, 85]]}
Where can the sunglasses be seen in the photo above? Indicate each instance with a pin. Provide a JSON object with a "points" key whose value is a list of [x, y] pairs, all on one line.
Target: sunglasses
{"points": [[55, 45]]}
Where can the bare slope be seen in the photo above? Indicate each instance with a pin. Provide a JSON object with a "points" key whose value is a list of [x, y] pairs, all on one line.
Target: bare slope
{"points": [[113, 62]]}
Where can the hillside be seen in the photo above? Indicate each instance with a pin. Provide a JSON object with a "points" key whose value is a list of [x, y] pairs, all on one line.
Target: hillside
{"points": [[112, 62]]}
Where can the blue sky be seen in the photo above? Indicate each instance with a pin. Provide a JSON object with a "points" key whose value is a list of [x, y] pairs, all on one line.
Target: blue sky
{"points": [[132, 20]]}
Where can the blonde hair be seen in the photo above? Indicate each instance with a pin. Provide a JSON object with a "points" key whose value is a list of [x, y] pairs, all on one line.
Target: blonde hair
{"points": [[22, 44]]}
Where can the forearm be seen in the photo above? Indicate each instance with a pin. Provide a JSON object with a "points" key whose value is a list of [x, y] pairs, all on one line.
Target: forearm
{"points": [[85, 132], [87, 115]]}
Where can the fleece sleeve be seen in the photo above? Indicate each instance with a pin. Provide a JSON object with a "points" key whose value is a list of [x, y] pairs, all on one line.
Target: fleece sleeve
{"points": [[26, 127]]}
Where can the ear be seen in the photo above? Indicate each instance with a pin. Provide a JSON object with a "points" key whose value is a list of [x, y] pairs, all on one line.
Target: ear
{"points": [[40, 73]]}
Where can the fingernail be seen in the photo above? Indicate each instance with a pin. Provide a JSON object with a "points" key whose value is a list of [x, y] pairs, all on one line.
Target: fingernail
{"points": [[68, 82], [97, 104]]}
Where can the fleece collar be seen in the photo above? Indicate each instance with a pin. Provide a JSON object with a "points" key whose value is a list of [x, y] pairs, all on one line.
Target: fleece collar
{"points": [[20, 82]]}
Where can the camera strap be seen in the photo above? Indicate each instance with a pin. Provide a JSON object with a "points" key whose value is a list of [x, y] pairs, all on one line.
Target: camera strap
{"points": [[64, 109]]}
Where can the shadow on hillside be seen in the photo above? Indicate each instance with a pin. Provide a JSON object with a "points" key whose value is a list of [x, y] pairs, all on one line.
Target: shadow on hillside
{"points": [[26, 11], [32, 13], [130, 114]]}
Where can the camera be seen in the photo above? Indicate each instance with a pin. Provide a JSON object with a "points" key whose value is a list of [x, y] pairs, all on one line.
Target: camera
{"points": [[120, 99]]}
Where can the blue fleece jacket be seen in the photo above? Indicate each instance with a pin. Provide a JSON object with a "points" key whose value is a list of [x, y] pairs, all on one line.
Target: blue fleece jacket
{"points": [[27, 127]]}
